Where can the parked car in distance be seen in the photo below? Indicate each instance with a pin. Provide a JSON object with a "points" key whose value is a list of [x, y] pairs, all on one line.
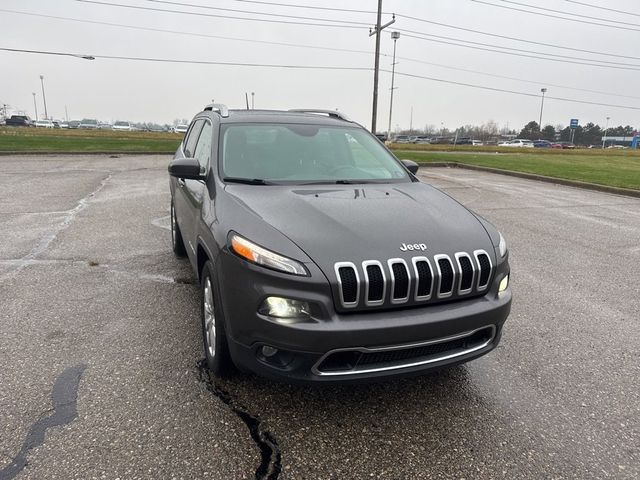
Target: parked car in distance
{"points": [[303, 281], [180, 128], [88, 123], [44, 124], [477, 143], [19, 121], [518, 143], [122, 126], [104, 126], [382, 137], [402, 139], [542, 144], [73, 124], [423, 139], [563, 145], [64, 124]]}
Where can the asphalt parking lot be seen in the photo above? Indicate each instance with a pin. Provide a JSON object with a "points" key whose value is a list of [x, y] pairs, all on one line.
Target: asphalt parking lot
{"points": [[100, 344]]}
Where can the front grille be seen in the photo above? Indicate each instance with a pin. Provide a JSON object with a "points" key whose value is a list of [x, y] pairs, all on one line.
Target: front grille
{"points": [[349, 284], [424, 275], [467, 272], [445, 268], [400, 280], [485, 268], [365, 360], [375, 282], [421, 279]]}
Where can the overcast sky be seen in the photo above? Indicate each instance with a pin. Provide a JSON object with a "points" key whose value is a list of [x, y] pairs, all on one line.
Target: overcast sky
{"points": [[110, 89]]}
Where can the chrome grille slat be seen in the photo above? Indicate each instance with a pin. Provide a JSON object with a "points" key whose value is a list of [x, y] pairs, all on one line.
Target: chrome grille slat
{"points": [[366, 267], [460, 260], [375, 283], [479, 254], [446, 260], [419, 278], [394, 298]]}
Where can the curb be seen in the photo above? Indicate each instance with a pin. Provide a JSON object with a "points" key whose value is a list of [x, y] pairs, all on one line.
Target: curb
{"points": [[99, 152], [541, 178]]}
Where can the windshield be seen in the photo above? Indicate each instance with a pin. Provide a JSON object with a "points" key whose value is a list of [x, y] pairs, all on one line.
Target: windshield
{"points": [[292, 153]]}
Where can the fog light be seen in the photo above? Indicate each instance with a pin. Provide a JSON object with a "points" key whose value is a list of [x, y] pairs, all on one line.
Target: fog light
{"points": [[504, 283], [268, 351], [284, 308]]}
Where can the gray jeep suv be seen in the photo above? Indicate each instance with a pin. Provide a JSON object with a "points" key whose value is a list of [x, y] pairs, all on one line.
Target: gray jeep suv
{"points": [[322, 258]]}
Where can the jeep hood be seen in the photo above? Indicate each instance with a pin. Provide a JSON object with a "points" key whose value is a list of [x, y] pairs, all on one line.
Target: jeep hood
{"points": [[334, 223]]}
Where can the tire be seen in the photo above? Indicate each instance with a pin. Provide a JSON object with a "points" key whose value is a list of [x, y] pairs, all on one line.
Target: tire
{"points": [[177, 244], [214, 335]]}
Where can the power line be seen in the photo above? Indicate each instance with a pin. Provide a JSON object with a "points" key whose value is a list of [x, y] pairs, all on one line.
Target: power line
{"points": [[567, 13], [319, 67], [318, 47], [513, 92], [235, 10], [213, 15], [521, 54], [603, 8], [506, 37], [311, 7], [548, 15], [194, 34], [505, 77], [518, 49], [195, 62]]}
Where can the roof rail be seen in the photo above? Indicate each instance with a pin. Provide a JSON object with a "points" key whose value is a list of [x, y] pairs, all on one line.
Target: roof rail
{"points": [[221, 108], [331, 113]]}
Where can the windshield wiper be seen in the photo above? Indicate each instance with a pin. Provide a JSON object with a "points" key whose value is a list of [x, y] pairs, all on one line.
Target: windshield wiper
{"points": [[247, 181]]}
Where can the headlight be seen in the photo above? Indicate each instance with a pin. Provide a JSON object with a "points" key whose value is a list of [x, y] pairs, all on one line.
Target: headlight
{"points": [[502, 246], [284, 308], [256, 254]]}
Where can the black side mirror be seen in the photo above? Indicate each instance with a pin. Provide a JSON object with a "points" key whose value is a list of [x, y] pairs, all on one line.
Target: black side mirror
{"points": [[411, 166], [187, 168]]}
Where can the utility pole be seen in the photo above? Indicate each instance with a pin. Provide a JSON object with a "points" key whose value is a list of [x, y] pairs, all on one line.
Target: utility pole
{"points": [[543, 90], [376, 31], [253, 100], [66, 113], [44, 99], [35, 105], [411, 122], [395, 36]]}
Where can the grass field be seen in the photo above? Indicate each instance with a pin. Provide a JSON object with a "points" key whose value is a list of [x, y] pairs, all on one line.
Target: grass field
{"points": [[617, 168], [62, 140]]}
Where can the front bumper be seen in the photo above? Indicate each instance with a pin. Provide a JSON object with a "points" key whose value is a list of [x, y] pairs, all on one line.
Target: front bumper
{"points": [[302, 347]]}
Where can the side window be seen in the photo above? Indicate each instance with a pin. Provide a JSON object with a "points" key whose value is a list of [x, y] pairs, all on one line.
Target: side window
{"points": [[192, 138], [203, 148]]}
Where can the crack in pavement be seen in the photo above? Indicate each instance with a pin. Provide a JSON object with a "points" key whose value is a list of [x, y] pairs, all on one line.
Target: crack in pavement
{"points": [[45, 241], [271, 464], [64, 397]]}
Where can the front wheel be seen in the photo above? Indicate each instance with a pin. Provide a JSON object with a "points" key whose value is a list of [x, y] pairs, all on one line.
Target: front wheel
{"points": [[213, 332], [177, 244]]}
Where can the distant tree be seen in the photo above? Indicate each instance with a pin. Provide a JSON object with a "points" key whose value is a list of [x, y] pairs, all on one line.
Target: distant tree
{"points": [[548, 133], [531, 131]]}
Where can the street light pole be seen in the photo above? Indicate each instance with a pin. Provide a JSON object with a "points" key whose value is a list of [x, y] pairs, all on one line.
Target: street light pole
{"points": [[253, 100], [44, 99], [35, 105], [604, 139], [395, 36], [543, 90]]}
